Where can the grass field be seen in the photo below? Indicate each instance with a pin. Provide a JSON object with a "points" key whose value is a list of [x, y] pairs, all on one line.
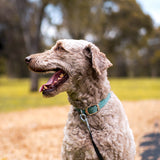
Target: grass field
{"points": [[137, 88], [15, 95]]}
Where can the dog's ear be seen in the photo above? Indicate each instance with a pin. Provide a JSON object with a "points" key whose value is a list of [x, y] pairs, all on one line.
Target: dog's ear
{"points": [[98, 59]]}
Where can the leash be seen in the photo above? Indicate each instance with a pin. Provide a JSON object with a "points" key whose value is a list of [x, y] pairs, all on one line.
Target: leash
{"points": [[85, 120], [90, 111]]}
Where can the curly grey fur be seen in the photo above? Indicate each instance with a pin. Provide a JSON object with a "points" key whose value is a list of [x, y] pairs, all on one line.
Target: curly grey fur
{"points": [[87, 86]]}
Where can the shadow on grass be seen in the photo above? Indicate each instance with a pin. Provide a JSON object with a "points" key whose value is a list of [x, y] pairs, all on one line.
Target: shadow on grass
{"points": [[151, 146]]}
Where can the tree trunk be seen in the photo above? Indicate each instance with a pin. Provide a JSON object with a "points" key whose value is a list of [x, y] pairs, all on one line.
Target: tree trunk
{"points": [[32, 41], [34, 76], [34, 82]]}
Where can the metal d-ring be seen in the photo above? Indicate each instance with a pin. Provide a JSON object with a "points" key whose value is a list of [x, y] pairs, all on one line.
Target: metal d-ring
{"points": [[85, 120], [83, 117]]}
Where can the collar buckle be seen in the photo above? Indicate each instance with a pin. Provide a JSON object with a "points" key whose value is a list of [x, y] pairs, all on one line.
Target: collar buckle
{"points": [[87, 110]]}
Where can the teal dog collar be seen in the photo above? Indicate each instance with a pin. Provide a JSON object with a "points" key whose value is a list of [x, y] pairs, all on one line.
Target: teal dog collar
{"points": [[94, 109]]}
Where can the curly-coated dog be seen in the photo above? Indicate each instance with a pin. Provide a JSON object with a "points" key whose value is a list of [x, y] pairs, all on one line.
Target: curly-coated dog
{"points": [[80, 69]]}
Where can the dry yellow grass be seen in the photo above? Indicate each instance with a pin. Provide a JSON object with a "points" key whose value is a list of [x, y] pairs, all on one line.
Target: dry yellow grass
{"points": [[37, 134]]}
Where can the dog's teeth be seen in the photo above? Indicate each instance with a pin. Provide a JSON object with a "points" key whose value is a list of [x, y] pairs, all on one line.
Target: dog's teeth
{"points": [[45, 87], [61, 75]]}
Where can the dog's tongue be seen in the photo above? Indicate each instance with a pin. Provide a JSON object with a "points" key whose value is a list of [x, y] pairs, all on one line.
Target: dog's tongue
{"points": [[51, 80]]}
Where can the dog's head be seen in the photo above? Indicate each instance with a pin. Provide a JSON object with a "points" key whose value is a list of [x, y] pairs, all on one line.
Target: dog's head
{"points": [[70, 61]]}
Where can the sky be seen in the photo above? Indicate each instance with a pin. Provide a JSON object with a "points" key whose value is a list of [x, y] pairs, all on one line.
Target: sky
{"points": [[151, 7]]}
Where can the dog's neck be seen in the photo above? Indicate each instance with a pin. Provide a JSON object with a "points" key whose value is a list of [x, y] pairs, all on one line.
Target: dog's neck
{"points": [[89, 92]]}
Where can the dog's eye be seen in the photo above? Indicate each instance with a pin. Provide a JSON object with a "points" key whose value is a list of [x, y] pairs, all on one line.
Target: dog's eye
{"points": [[59, 48]]}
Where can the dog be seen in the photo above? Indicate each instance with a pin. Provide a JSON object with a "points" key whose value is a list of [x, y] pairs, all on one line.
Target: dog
{"points": [[80, 69]]}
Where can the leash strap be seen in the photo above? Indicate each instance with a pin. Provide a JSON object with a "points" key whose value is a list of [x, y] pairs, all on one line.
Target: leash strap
{"points": [[85, 120]]}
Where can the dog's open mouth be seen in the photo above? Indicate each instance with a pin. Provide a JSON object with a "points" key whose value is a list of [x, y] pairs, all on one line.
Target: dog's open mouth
{"points": [[58, 78]]}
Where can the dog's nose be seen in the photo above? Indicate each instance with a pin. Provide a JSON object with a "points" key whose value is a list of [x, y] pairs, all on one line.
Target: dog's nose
{"points": [[27, 59]]}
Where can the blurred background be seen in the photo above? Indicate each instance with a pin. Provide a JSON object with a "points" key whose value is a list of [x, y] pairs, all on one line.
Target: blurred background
{"points": [[127, 31]]}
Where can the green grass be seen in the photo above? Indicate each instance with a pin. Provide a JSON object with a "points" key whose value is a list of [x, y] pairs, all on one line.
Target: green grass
{"points": [[15, 95], [136, 88]]}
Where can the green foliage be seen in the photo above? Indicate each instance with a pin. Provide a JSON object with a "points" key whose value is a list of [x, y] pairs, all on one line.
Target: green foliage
{"points": [[119, 28], [15, 95], [154, 50], [156, 58]]}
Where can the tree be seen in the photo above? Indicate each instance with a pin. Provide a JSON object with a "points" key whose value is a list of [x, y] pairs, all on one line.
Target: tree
{"points": [[30, 18], [76, 17], [125, 29], [119, 28], [154, 52], [155, 61], [12, 51]]}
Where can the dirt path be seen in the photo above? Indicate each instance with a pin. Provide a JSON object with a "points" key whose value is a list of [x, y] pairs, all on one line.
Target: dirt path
{"points": [[37, 134]]}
